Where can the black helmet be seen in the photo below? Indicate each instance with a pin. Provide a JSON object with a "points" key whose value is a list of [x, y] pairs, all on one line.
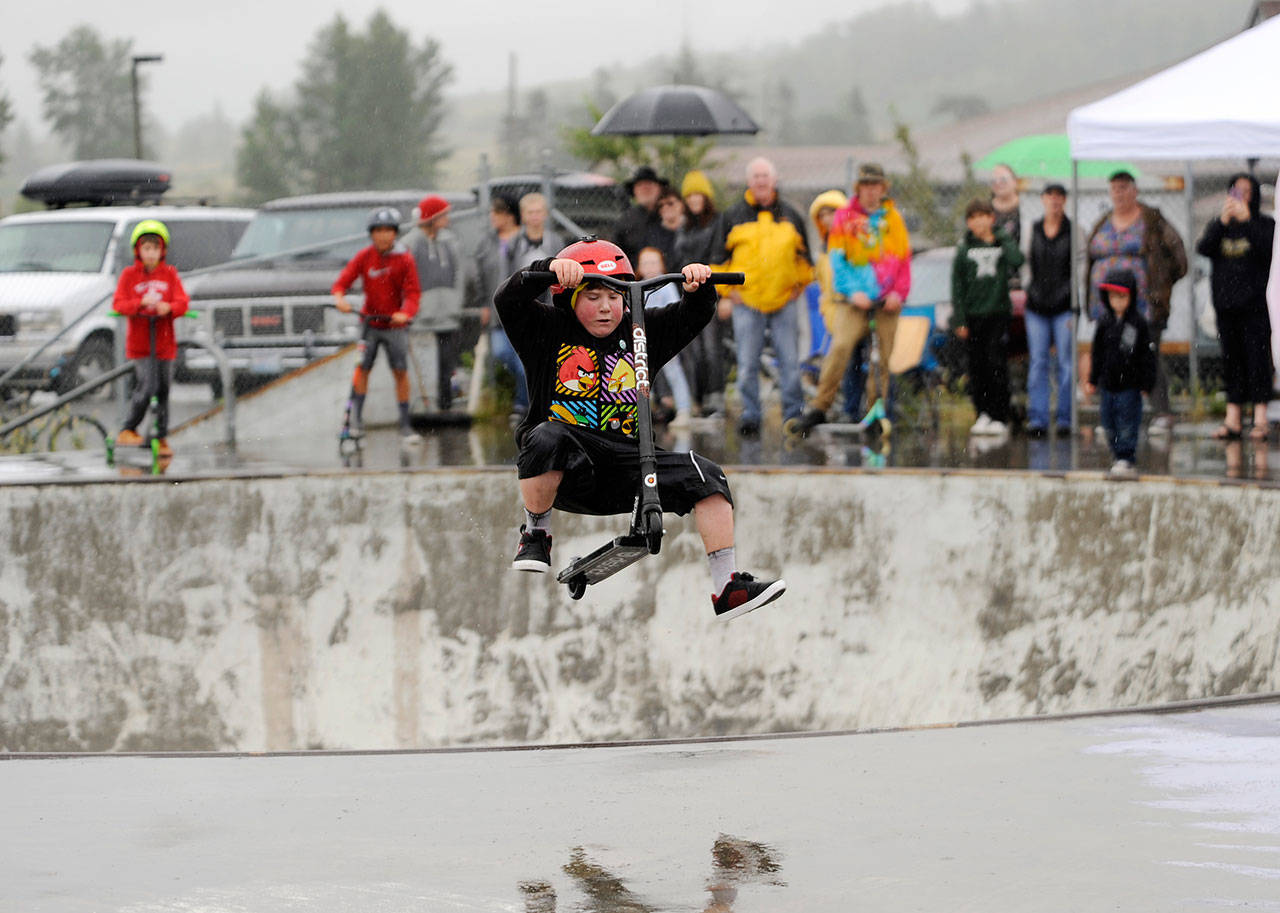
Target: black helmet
{"points": [[384, 217]]}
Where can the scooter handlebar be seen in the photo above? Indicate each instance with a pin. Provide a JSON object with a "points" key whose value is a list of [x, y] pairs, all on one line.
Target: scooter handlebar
{"points": [[622, 284], [189, 313]]}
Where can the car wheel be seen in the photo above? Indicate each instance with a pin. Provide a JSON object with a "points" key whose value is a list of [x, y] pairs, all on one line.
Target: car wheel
{"points": [[94, 358]]}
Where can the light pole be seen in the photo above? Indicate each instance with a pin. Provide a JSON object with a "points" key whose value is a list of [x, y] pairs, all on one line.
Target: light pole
{"points": [[137, 107]]}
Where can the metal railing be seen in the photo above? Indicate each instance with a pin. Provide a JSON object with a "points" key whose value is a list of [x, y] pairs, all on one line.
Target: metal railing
{"points": [[89, 386], [41, 411]]}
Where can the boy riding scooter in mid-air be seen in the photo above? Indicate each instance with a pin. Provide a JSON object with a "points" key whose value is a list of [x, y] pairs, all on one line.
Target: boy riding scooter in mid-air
{"points": [[588, 365]]}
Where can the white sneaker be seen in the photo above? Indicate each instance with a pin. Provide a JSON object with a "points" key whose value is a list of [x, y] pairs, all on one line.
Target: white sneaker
{"points": [[1122, 469], [682, 419], [996, 428], [981, 425]]}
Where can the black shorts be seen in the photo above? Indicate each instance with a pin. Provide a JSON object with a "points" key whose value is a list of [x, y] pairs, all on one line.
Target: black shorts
{"points": [[396, 342], [602, 475]]}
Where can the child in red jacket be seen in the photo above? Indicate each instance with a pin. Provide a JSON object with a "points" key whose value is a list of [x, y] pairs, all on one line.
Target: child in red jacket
{"points": [[151, 295], [391, 292]]}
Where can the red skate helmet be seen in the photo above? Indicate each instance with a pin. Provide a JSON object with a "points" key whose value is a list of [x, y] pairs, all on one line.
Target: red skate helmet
{"points": [[598, 258]]}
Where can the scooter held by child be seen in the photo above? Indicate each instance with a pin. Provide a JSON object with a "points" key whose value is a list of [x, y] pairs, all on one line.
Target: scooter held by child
{"points": [[644, 537], [877, 417], [159, 461]]}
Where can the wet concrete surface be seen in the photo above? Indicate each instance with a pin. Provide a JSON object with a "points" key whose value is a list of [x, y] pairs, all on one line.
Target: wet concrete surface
{"points": [[1138, 813], [308, 441], [292, 425]]}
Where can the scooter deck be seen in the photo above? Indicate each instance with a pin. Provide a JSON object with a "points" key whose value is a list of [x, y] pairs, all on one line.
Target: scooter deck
{"points": [[839, 428], [606, 561]]}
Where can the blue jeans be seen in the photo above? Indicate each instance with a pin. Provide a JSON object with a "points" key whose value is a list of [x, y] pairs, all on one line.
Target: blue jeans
{"points": [[1121, 418], [749, 327], [681, 395], [1043, 332], [500, 348], [854, 385]]}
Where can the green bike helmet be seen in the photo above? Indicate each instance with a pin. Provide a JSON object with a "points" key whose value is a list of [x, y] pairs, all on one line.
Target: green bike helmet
{"points": [[149, 227]]}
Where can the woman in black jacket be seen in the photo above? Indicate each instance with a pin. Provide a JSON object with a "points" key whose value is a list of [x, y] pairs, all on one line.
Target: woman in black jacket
{"points": [[1049, 323], [1239, 243]]}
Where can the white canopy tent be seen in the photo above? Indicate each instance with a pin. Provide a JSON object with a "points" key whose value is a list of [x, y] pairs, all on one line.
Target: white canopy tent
{"points": [[1220, 104]]}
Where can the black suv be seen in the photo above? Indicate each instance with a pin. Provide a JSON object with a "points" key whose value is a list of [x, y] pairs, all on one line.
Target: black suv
{"points": [[270, 305], [593, 202]]}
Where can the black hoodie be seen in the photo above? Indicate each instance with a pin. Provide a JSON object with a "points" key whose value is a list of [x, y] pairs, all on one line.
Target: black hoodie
{"points": [[1241, 255], [1123, 356], [580, 379]]}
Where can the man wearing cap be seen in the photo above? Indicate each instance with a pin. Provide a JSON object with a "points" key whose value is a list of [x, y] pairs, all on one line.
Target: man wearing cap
{"points": [[637, 223], [764, 237], [442, 277], [1048, 317], [1138, 238], [869, 252]]}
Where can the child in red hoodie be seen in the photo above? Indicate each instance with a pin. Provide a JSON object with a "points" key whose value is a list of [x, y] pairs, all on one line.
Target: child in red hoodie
{"points": [[151, 295], [391, 291]]}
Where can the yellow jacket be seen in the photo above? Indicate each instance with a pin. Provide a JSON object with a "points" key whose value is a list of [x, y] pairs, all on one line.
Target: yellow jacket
{"points": [[768, 244], [831, 199]]}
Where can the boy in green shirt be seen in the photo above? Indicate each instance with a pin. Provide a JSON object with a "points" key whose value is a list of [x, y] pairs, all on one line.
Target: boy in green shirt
{"points": [[984, 262]]}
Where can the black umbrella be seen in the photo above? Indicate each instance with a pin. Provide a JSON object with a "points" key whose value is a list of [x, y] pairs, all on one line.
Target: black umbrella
{"points": [[675, 110]]}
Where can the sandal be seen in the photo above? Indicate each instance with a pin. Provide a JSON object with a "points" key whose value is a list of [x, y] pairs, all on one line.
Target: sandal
{"points": [[1259, 432], [1227, 433]]}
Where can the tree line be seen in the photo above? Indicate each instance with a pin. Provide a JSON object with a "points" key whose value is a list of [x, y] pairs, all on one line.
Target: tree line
{"points": [[368, 106], [365, 111]]}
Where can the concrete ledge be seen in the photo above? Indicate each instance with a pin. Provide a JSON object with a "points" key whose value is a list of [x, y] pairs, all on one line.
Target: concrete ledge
{"points": [[376, 610]]}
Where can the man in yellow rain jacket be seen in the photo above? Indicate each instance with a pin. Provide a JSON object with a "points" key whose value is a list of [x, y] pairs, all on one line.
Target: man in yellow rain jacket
{"points": [[764, 237]]}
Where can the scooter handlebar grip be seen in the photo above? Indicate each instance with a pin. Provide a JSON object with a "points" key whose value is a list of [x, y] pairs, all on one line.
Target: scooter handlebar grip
{"points": [[728, 278]]}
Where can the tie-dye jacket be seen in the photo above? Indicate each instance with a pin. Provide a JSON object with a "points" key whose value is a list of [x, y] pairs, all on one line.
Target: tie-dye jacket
{"points": [[870, 253], [577, 378]]}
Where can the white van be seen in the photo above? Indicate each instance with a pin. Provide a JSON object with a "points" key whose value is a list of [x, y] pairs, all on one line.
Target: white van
{"points": [[57, 264]]}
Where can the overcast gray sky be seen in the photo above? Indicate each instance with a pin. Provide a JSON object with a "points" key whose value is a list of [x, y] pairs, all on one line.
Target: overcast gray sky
{"points": [[224, 51]]}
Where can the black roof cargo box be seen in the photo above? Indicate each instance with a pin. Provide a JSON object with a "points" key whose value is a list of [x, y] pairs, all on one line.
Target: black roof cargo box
{"points": [[99, 182]]}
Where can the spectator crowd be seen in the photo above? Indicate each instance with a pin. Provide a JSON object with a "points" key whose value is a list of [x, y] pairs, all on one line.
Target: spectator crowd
{"points": [[820, 310]]}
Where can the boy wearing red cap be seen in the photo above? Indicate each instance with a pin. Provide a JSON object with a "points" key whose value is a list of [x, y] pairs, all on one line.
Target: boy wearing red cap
{"points": [[151, 295], [442, 278], [1123, 366]]}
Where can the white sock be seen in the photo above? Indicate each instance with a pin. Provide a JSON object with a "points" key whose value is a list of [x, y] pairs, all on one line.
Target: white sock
{"points": [[540, 521], [722, 563]]}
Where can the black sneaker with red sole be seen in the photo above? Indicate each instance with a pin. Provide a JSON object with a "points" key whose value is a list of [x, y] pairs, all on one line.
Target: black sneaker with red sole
{"points": [[534, 551], [744, 593]]}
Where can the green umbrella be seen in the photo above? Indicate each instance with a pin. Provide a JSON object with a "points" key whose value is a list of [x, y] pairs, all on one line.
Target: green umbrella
{"points": [[1047, 155]]}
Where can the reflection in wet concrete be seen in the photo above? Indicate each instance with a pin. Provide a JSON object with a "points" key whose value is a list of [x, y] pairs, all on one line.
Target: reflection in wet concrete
{"points": [[539, 897], [1190, 452], [605, 891], [734, 862]]}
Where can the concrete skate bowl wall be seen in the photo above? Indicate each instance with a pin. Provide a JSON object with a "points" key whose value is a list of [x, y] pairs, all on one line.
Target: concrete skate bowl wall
{"points": [[378, 611]]}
